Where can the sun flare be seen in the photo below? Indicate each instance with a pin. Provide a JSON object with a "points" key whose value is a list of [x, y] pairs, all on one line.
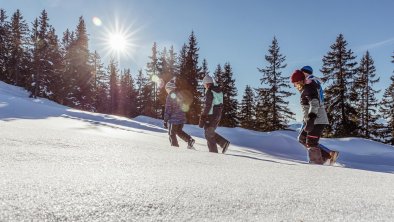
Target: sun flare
{"points": [[117, 42]]}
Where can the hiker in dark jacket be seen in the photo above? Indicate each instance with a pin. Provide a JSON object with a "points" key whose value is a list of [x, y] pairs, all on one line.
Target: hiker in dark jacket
{"points": [[211, 115], [315, 118], [175, 117]]}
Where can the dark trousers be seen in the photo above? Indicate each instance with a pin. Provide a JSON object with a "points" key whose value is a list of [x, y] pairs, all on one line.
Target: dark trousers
{"points": [[311, 142], [177, 130], [213, 138]]}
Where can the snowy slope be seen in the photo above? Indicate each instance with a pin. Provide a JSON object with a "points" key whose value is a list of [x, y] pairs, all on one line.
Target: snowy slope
{"points": [[58, 163]]}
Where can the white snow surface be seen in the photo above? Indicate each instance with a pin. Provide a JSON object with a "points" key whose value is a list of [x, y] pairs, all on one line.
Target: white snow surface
{"points": [[61, 164]]}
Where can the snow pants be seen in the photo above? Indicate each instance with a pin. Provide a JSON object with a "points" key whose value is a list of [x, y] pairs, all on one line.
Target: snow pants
{"points": [[177, 130], [316, 153], [213, 138]]}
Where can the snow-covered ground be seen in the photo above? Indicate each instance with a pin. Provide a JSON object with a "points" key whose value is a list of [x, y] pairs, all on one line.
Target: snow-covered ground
{"points": [[57, 163]]}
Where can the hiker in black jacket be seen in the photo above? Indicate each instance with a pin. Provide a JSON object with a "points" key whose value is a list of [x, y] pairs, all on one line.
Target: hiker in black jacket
{"points": [[211, 115]]}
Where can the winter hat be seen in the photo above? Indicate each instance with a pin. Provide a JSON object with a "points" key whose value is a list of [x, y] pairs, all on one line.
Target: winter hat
{"points": [[207, 79], [307, 69], [170, 86], [297, 76]]}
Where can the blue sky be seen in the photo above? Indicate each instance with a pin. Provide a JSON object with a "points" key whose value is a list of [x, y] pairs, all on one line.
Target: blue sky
{"points": [[238, 32]]}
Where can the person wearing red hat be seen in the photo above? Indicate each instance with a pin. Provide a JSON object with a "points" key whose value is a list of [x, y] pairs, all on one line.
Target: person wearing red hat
{"points": [[315, 119]]}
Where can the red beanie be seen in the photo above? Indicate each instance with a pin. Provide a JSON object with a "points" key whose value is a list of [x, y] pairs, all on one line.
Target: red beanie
{"points": [[297, 76]]}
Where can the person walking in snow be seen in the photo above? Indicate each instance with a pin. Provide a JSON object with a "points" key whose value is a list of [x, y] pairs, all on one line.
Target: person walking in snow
{"points": [[175, 117], [211, 115], [315, 119], [327, 153]]}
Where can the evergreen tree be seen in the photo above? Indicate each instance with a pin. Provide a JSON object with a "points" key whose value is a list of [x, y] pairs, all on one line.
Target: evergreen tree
{"points": [[247, 114], [144, 95], [68, 77], [187, 81], [54, 67], [366, 101], [101, 85], [338, 70], [164, 76], [387, 112], [79, 69], [113, 87], [217, 75], [153, 74], [274, 93], [47, 79], [204, 72], [263, 110], [4, 44], [127, 95], [18, 53], [230, 104]]}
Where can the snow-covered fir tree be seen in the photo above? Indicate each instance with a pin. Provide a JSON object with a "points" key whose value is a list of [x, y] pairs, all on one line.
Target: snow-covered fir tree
{"points": [[338, 70], [247, 114], [366, 101], [274, 91]]}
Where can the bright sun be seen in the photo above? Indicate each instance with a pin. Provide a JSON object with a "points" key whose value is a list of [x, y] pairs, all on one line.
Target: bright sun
{"points": [[117, 42]]}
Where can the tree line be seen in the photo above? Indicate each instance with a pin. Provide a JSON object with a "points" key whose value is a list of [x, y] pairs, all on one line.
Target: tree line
{"points": [[66, 71]]}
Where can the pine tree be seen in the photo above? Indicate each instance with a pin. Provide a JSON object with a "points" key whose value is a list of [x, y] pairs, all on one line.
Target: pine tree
{"points": [[18, 53], [230, 104], [101, 85], [338, 70], [366, 101], [164, 75], [263, 110], [217, 75], [187, 81], [127, 95], [386, 133], [4, 45], [79, 70], [274, 93], [144, 95], [113, 87], [247, 114], [68, 76], [204, 72], [153, 74], [55, 68]]}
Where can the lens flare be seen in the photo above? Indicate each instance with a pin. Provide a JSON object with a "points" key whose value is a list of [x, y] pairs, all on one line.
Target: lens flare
{"points": [[118, 38], [97, 21]]}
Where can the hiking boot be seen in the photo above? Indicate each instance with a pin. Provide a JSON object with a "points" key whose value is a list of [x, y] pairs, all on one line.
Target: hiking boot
{"points": [[225, 147], [334, 156], [190, 143]]}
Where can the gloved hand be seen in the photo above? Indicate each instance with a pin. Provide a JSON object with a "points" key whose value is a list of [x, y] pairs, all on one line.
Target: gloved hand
{"points": [[165, 125], [310, 123], [201, 123]]}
